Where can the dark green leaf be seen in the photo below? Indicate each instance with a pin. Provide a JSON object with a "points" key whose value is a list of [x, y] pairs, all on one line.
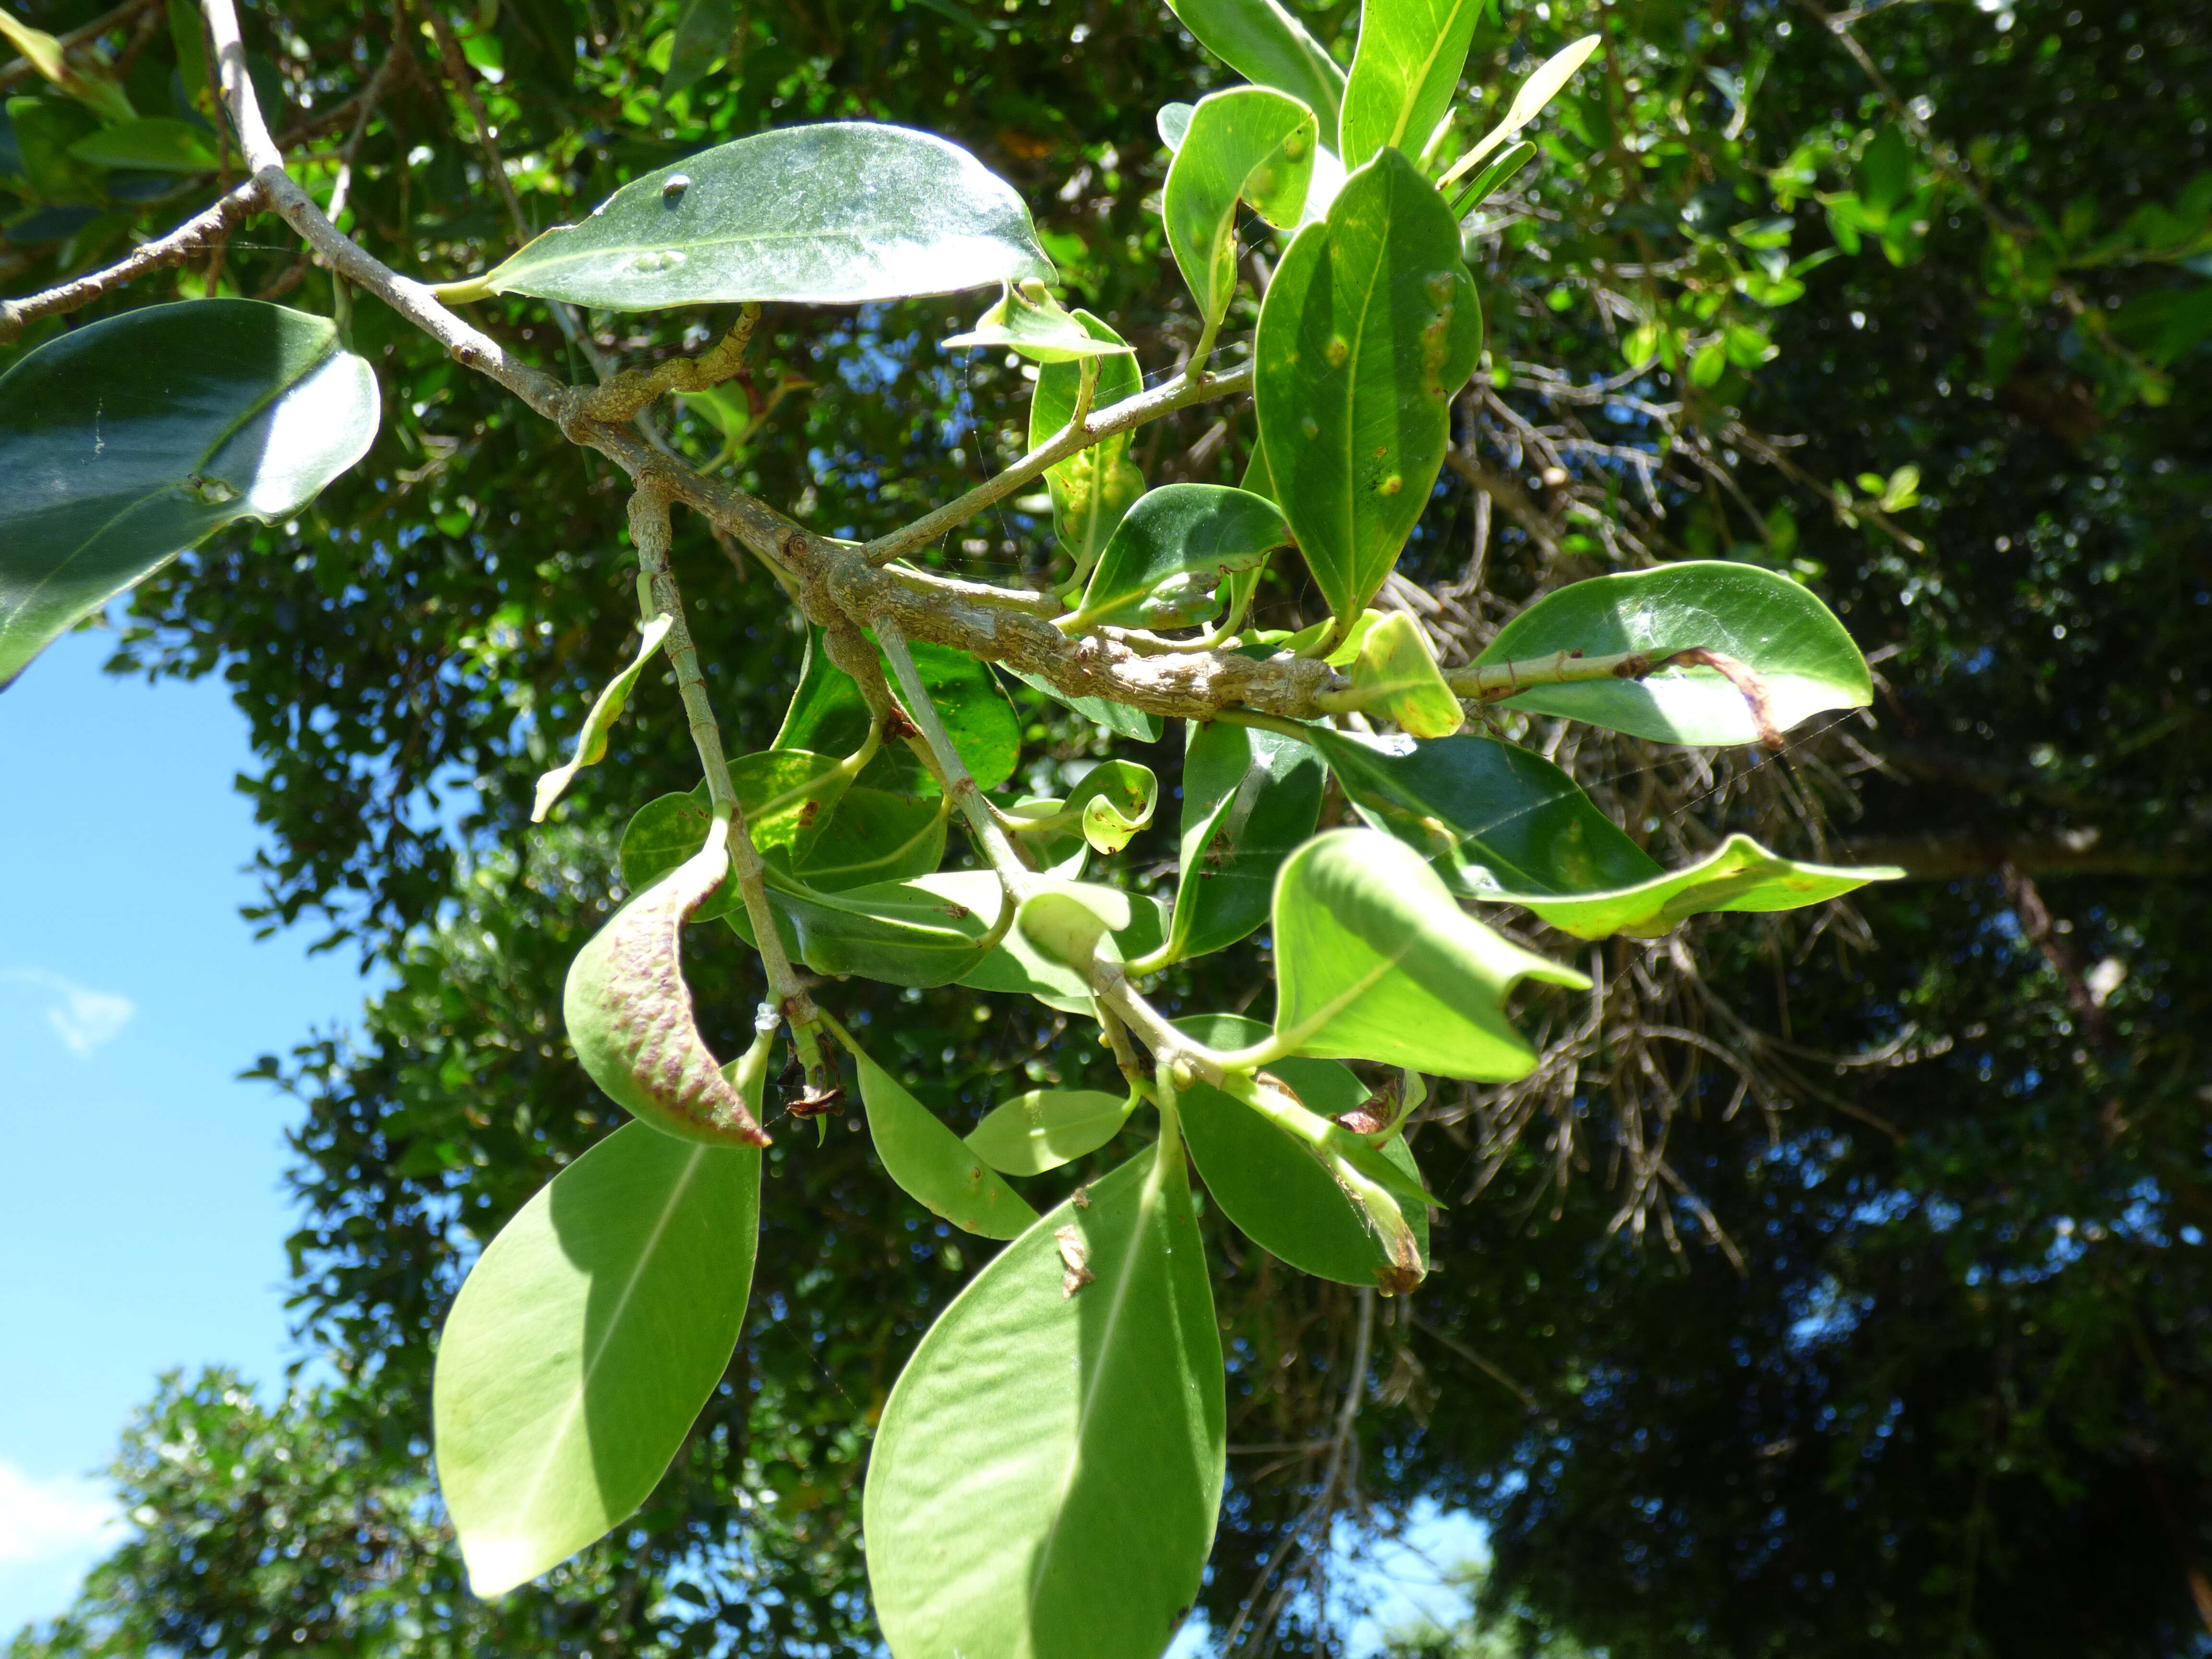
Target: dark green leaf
{"points": [[1773, 626], [1165, 564], [1117, 717], [151, 145], [703, 28], [584, 1344], [832, 214], [131, 439], [1075, 1384], [829, 714], [1370, 327], [1248, 797], [785, 793]]}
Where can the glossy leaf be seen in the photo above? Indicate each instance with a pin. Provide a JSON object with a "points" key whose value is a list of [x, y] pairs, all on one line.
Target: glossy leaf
{"points": [[1395, 673], [150, 145], [1048, 1128], [1250, 143], [1773, 626], [828, 713], [607, 709], [1051, 835], [902, 932], [1027, 319], [1093, 489], [1075, 1385], [1263, 42], [1374, 960], [1066, 923], [585, 1342], [1114, 799], [133, 438], [831, 214], [786, 795], [1165, 565], [884, 828], [1118, 718], [1278, 1192], [1538, 91], [1248, 798], [1737, 875], [932, 1165], [1489, 816], [1370, 327], [1404, 72], [1487, 182]]}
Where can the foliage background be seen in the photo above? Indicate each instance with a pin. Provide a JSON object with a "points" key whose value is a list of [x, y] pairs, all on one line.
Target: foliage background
{"points": [[1914, 1355]]}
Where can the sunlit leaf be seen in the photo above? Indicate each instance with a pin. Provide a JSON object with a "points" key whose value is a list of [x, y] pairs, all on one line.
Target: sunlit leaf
{"points": [[1799, 654], [1075, 1385], [1538, 91], [831, 214], [1091, 491], [1375, 961], [1370, 327], [607, 709], [786, 795], [932, 1165], [585, 1342], [1263, 42], [1115, 800], [1248, 797], [1047, 1127], [1027, 319], [1404, 72], [828, 715], [1248, 143], [1395, 673], [1165, 565], [133, 438]]}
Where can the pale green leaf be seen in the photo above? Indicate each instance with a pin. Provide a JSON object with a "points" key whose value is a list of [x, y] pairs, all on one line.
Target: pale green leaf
{"points": [[1092, 488], [1248, 798], [930, 1165], [1404, 72], [1048, 1128], [1396, 676], [1249, 143], [1538, 91], [1263, 42], [592, 741], [1027, 319]]}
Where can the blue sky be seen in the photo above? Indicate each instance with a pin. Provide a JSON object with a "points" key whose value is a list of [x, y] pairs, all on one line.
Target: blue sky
{"points": [[142, 1218]]}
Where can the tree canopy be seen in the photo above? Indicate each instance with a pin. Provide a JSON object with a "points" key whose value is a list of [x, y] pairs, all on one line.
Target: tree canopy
{"points": [[1834, 1281]]}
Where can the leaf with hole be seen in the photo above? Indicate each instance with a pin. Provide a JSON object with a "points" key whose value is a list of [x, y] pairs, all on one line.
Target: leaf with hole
{"points": [[836, 213], [1165, 565], [1396, 676], [1248, 143], [1092, 489], [1047, 1127], [1737, 875], [1264, 43], [1369, 329], [1248, 798], [133, 438], [584, 1343], [930, 1165], [1488, 816], [1404, 72], [1374, 960], [1280, 1196], [1800, 655], [607, 709], [1114, 799], [1004, 1528]]}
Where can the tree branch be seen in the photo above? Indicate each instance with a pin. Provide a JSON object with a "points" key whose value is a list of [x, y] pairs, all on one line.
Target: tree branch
{"points": [[195, 236]]}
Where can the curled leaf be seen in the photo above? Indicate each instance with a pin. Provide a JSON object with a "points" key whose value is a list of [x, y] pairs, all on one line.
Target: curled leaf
{"points": [[592, 741], [629, 1012], [1029, 320], [1115, 799]]}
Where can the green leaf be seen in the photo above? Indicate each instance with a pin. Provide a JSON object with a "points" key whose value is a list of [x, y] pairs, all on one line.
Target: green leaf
{"points": [[1737, 875], [1029, 320], [152, 145], [1395, 675], [1489, 816], [703, 28], [96, 89], [1066, 921], [1115, 799], [920, 933], [1248, 798], [1370, 327], [1165, 563], [1278, 1192], [592, 741], [133, 438], [1375, 961], [1048, 1128], [879, 832], [829, 714], [1491, 179], [785, 793], [1538, 91], [930, 1165], [1019, 967], [1093, 489], [1247, 142], [1075, 1385], [1137, 724], [1777, 629], [832, 214], [1263, 42], [585, 1342], [1404, 73]]}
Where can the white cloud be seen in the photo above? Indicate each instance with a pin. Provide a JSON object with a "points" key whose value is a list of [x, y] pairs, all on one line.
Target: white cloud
{"points": [[82, 1017], [40, 1520]]}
